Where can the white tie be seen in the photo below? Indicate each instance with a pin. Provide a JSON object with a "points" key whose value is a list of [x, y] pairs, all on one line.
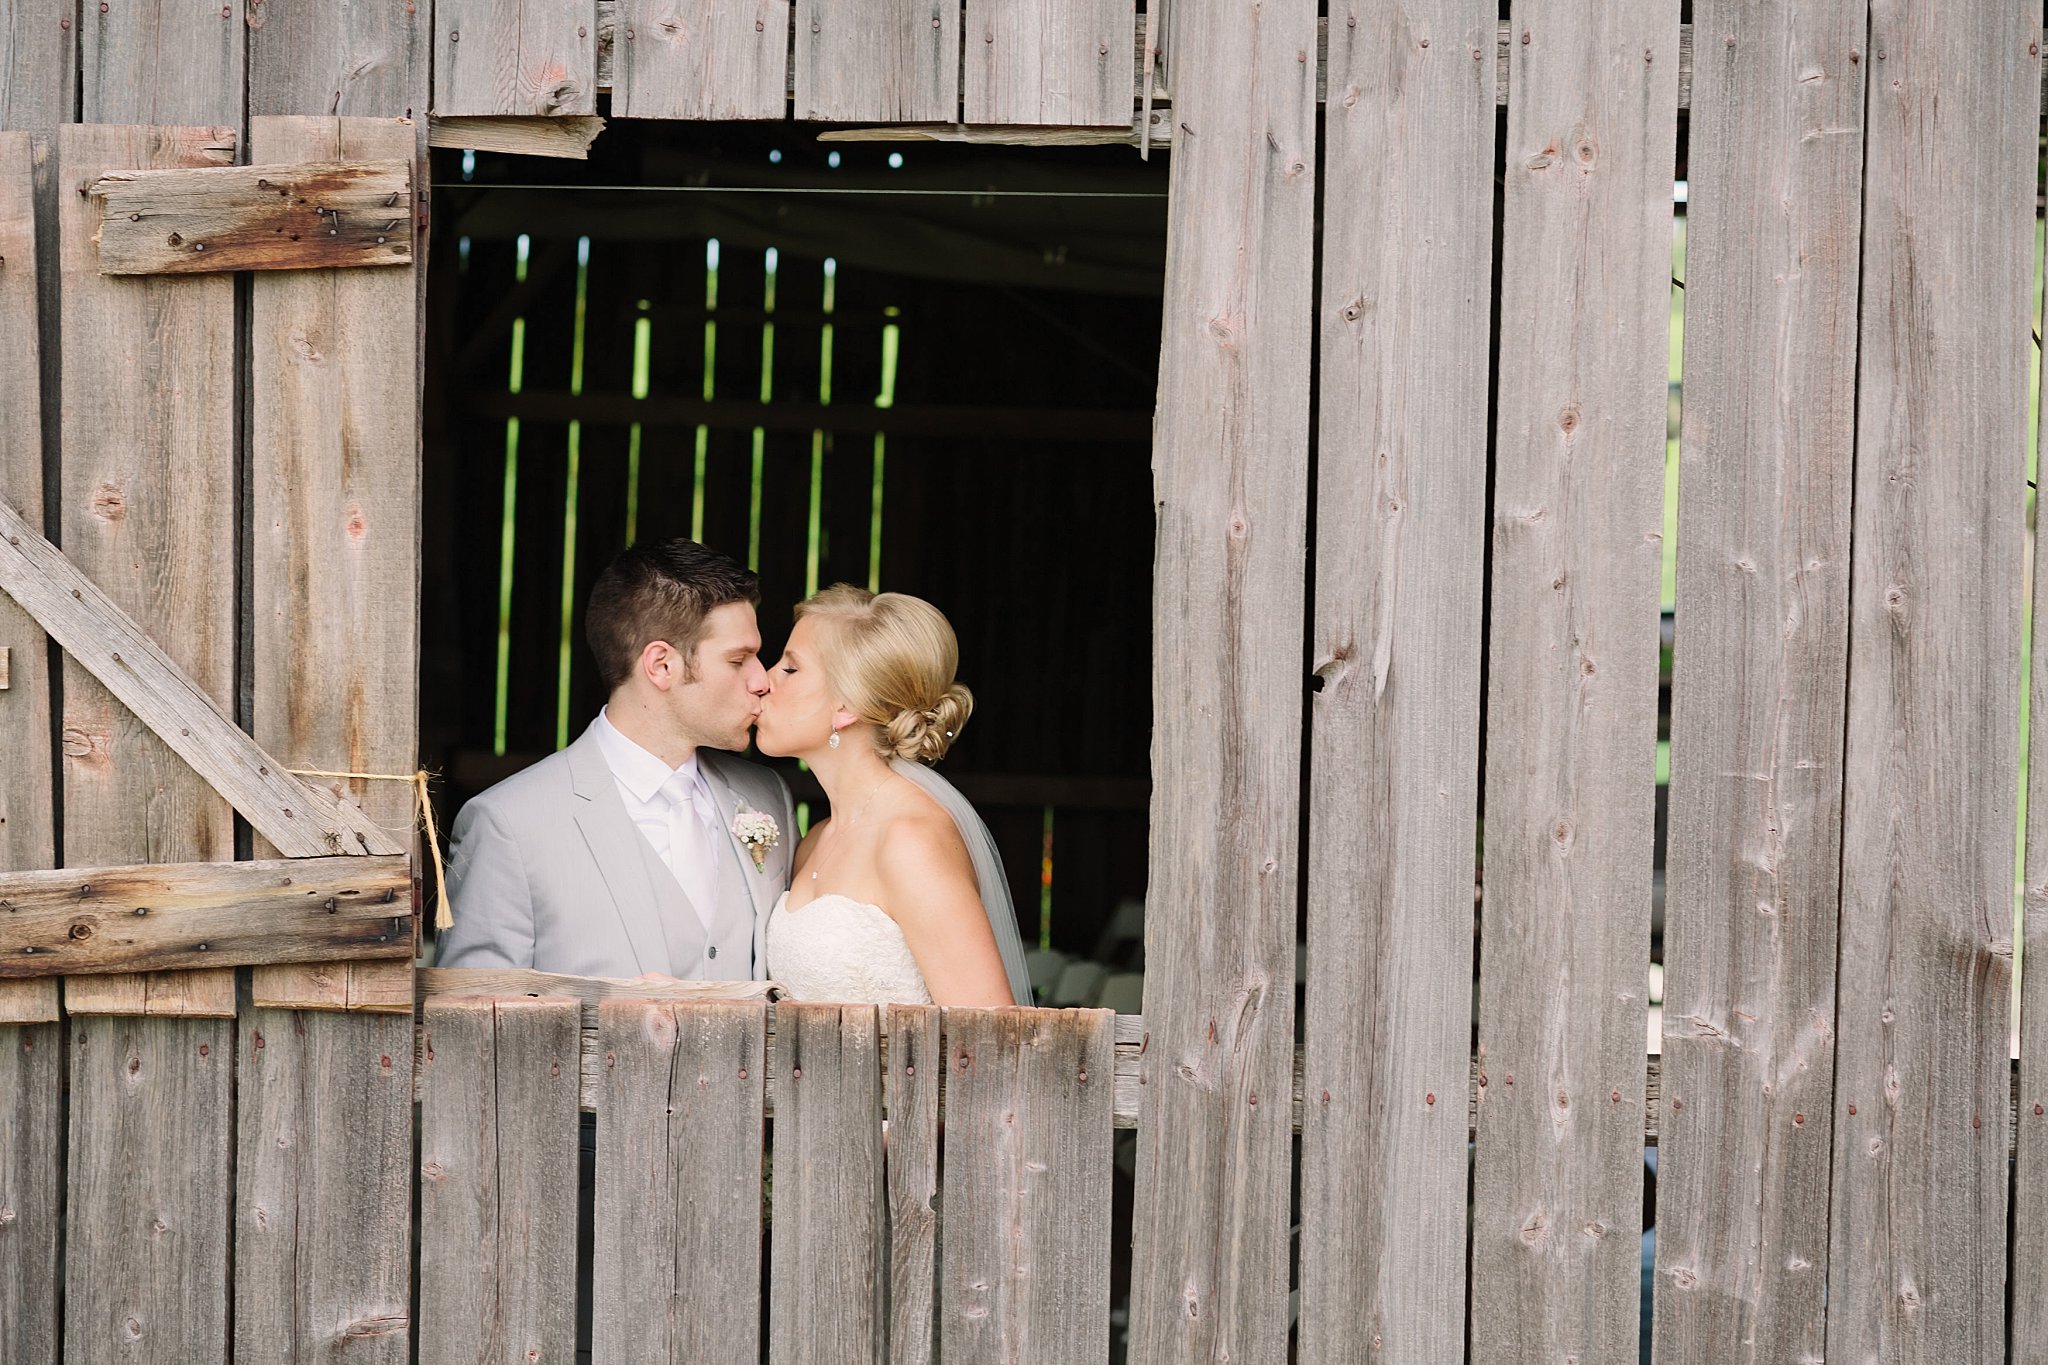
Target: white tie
{"points": [[693, 857]]}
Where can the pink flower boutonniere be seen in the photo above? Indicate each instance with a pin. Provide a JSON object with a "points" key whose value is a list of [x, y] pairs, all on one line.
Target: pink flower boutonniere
{"points": [[757, 833]]}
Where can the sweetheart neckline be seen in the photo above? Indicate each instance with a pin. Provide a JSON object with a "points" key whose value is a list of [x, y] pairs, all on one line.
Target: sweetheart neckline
{"points": [[786, 908]]}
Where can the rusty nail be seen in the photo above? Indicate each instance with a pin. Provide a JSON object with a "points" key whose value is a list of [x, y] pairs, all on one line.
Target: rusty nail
{"points": [[1525, 37], [1854, 56], [935, 22], [1676, 1106], [1084, 1077], [134, 217], [1798, 1120], [1852, 1110], [2037, 1111], [103, 6], [262, 771], [226, 12], [117, 658], [64, 24], [1430, 1098], [629, 35], [796, 1073]]}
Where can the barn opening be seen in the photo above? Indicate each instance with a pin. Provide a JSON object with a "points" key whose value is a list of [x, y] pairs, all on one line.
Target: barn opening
{"points": [[908, 365]]}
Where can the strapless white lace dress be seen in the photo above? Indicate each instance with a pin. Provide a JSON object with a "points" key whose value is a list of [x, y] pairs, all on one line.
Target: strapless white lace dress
{"points": [[843, 950]]}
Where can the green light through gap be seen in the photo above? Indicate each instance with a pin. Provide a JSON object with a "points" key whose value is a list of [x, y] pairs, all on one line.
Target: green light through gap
{"points": [[570, 497], [511, 508], [643, 347], [891, 346], [815, 539], [767, 394], [710, 386]]}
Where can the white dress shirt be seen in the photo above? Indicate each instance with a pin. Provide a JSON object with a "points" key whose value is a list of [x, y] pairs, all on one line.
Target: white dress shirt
{"points": [[672, 808]]}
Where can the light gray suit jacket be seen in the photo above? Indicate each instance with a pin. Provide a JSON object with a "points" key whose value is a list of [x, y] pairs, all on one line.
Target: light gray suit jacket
{"points": [[546, 870]]}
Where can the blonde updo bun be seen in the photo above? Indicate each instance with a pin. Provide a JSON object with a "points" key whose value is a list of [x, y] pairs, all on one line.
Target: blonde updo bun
{"points": [[891, 658]]}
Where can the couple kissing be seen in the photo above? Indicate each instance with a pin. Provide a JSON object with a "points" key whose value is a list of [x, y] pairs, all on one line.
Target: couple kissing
{"points": [[649, 847]]}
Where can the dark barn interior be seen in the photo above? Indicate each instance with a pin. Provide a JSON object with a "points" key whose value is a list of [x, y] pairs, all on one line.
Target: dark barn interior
{"points": [[917, 366]]}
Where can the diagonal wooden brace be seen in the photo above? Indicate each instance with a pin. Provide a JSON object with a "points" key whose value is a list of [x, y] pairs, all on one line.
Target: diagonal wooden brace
{"points": [[300, 820]]}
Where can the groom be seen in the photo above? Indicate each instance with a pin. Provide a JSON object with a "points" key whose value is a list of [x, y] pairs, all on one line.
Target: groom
{"points": [[619, 856]]}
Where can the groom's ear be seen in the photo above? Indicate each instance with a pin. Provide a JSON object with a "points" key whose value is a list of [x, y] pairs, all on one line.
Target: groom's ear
{"points": [[662, 665]]}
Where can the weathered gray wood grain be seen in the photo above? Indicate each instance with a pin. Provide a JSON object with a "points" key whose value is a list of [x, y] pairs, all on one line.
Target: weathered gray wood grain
{"points": [[1025, 1260], [147, 440], [1230, 467], [886, 60], [1400, 512], [31, 1190], [826, 1273], [146, 1208], [515, 57], [364, 60], [678, 1207], [334, 491], [38, 64], [163, 62], [323, 1188], [135, 695], [1572, 680], [916, 1066], [28, 836], [2029, 1250], [1917, 1251], [498, 1143], [1051, 61], [700, 59], [1761, 679], [311, 214], [165, 916]]}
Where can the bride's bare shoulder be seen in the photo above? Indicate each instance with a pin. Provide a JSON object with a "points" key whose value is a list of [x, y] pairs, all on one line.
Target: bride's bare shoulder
{"points": [[922, 841]]}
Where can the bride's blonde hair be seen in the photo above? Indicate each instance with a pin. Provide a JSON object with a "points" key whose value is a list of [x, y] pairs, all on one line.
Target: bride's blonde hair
{"points": [[891, 659]]}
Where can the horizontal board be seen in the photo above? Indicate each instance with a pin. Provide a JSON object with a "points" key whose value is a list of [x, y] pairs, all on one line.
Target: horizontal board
{"points": [[308, 216], [161, 916], [567, 136]]}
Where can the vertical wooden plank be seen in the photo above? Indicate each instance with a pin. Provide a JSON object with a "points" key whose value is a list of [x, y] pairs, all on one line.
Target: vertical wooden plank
{"points": [[148, 485], [515, 57], [498, 1124], [910, 1089], [701, 59], [678, 1207], [27, 834], [148, 1175], [31, 1190], [2029, 1250], [883, 61], [826, 1273], [1761, 677], [163, 62], [358, 60], [1401, 507], [334, 487], [1062, 62], [1572, 684], [323, 1188], [1917, 1252], [38, 64], [1026, 1254], [1230, 460]]}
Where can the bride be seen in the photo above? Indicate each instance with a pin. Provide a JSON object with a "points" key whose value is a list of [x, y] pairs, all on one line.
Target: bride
{"points": [[900, 896]]}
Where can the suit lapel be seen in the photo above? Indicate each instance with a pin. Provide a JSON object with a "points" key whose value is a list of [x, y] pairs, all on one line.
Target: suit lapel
{"points": [[730, 803], [616, 846]]}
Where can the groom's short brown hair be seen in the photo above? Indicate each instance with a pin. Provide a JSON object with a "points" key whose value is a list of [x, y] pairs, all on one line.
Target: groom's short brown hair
{"points": [[660, 591]]}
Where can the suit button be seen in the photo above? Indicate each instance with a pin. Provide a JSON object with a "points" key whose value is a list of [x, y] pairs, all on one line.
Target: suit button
{"points": [[713, 952]]}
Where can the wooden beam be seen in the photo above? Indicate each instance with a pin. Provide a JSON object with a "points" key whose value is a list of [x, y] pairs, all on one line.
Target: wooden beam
{"points": [[567, 135], [302, 821], [171, 916], [309, 216]]}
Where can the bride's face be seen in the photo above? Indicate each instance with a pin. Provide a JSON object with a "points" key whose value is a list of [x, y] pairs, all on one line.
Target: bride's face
{"points": [[797, 714]]}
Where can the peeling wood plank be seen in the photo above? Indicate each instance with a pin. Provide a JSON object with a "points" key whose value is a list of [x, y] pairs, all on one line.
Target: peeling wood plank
{"points": [[1917, 1247], [568, 136], [1209, 1277], [1400, 591], [1761, 683], [161, 62], [104, 641], [498, 1154], [168, 916], [877, 60], [304, 216], [515, 57], [323, 1189], [28, 835], [1571, 711], [701, 59]]}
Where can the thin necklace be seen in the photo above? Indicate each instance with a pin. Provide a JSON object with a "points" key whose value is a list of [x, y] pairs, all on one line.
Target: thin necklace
{"points": [[854, 819]]}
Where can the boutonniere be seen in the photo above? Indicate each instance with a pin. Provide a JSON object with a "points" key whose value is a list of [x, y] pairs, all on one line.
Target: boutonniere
{"points": [[757, 832]]}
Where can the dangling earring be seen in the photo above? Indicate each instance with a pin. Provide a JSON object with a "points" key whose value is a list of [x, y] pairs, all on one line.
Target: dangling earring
{"points": [[833, 742]]}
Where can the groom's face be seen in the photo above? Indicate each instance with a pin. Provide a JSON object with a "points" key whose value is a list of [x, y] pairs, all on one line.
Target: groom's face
{"points": [[719, 706]]}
